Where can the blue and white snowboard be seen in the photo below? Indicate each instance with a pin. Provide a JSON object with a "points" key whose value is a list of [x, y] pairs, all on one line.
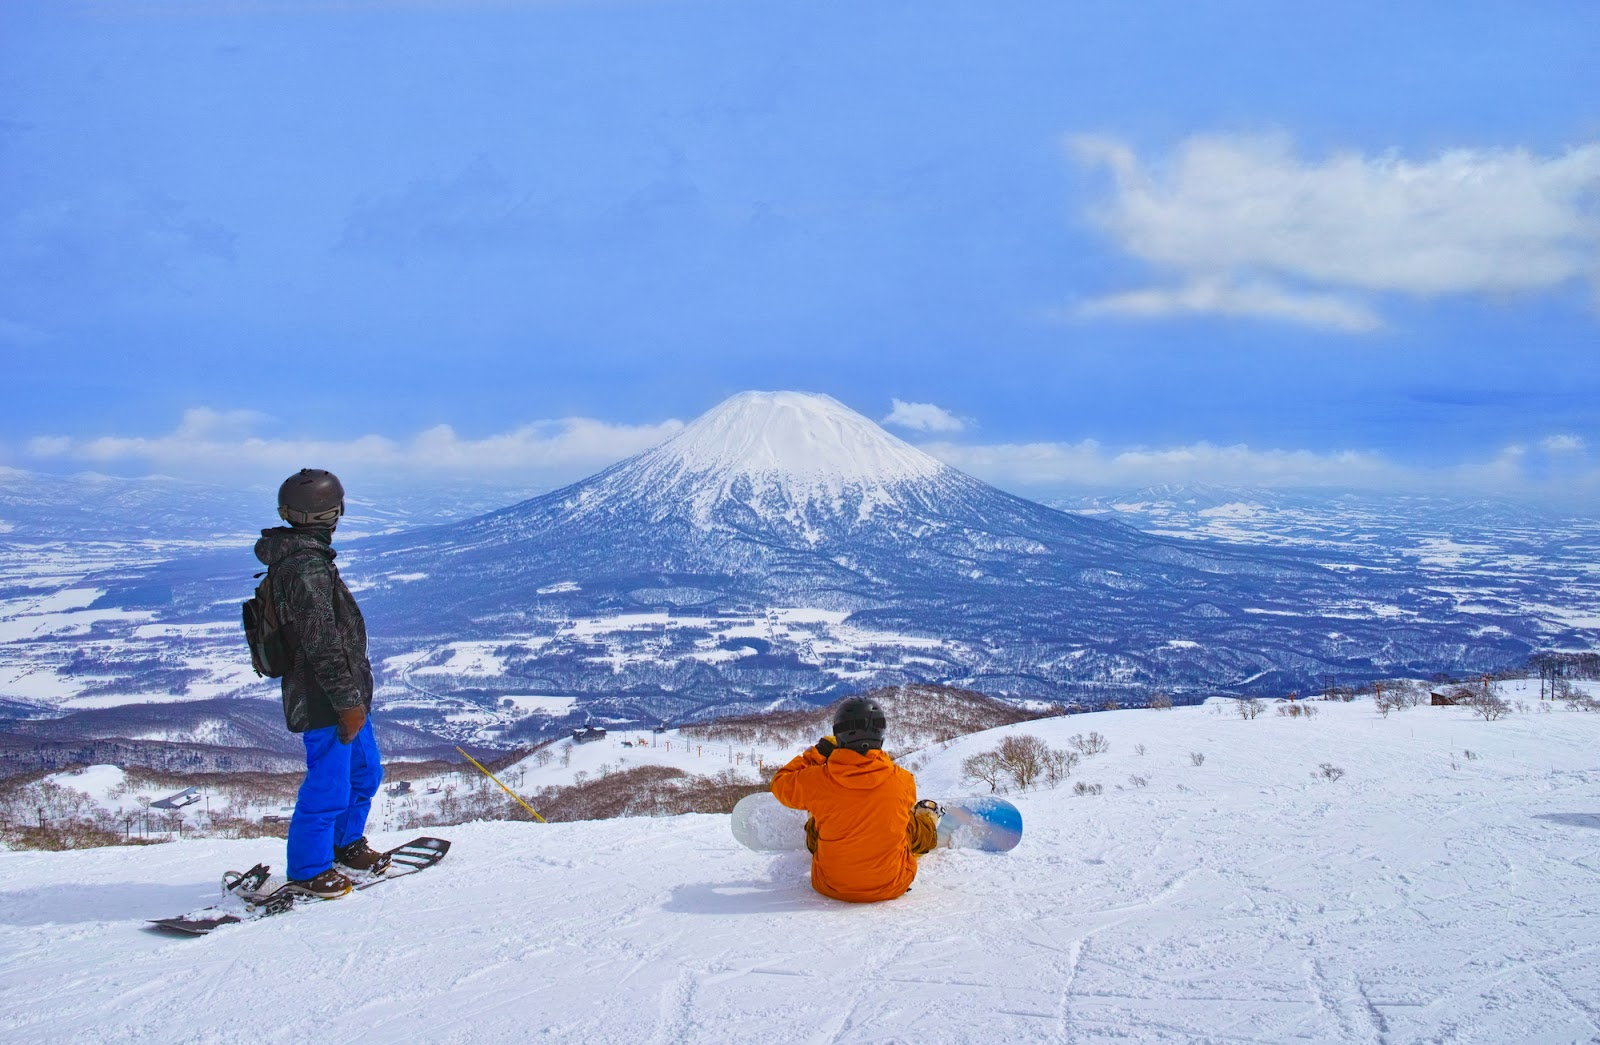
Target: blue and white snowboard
{"points": [[762, 823]]}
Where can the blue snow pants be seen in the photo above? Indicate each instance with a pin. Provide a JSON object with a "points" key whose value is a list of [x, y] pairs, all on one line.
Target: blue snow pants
{"points": [[334, 798]]}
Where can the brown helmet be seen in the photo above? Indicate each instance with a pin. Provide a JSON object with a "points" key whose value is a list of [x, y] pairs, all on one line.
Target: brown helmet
{"points": [[311, 497]]}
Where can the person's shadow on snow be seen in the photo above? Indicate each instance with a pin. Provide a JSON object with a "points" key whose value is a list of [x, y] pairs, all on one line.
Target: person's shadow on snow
{"points": [[1571, 819], [108, 902], [750, 897], [788, 890]]}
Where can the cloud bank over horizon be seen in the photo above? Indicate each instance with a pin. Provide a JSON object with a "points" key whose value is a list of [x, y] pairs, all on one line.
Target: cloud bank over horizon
{"points": [[219, 443], [226, 446]]}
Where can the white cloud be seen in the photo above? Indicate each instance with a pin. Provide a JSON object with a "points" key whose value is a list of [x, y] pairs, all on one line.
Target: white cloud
{"points": [[1088, 463], [1558, 474], [923, 417], [1247, 227], [1563, 444], [223, 442], [1219, 297]]}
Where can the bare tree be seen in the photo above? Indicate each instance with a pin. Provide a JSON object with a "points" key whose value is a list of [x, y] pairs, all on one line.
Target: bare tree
{"points": [[1093, 744], [1488, 706], [1023, 758], [1248, 707], [1161, 701], [986, 767], [1059, 765]]}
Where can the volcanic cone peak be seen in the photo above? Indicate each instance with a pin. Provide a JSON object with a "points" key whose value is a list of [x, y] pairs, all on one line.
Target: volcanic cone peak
{"points": [[781, 455]]}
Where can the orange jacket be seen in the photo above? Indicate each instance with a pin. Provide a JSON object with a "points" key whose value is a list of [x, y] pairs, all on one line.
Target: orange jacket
{"points": [[862, 808]]}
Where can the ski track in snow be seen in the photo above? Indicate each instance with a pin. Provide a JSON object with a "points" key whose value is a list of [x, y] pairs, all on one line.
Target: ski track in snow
{"points": [[1242, 900]]}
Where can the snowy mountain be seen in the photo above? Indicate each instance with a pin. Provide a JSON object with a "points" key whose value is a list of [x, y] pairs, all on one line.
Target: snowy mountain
{"points": [[1442, 889], [780, 551], [850, 558]]}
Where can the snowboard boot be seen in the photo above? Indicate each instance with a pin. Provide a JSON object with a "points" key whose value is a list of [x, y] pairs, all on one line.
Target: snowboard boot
{"points": [[359, 856], [328, 885]]}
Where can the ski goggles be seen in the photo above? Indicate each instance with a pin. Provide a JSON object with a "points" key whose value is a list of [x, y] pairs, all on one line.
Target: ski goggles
{"points": [[327, 517]]}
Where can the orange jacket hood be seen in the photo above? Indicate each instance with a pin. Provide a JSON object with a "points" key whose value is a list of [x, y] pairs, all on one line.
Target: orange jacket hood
{"points": [[860, 772]]}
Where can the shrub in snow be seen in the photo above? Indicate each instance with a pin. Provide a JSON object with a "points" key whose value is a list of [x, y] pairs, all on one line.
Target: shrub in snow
{"points": [[984, 768], [1020, 761], [1197, 757], [1138, 749], [1023, 758], [1093, 744], [1575, 699], [1161, 701], [1138, 781], [1081, 788], [1329, 771], [1059, 765], [1248, 707], [1487, 705]]}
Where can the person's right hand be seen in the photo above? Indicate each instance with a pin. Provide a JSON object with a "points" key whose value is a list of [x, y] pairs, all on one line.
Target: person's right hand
{"points": [[350, 722], [825, 747]]}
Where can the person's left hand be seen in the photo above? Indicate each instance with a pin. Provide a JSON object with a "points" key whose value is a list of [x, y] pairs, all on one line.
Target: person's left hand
{"points": [[350, 722], [825, 747]]}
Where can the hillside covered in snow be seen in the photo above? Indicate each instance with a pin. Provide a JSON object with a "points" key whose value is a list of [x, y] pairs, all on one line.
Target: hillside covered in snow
{"points": [[1342, 876]]}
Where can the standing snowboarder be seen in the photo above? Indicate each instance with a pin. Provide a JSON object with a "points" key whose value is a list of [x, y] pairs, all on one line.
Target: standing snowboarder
{"points": [[867, 827], [327, 688]]}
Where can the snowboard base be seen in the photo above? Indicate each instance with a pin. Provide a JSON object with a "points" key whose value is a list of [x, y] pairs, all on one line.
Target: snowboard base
{"points": [[762, 823], [419, 854]]}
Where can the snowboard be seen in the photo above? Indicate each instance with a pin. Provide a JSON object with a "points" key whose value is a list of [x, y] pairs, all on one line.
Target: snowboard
{"points": [[762, 823], [249, 897]]}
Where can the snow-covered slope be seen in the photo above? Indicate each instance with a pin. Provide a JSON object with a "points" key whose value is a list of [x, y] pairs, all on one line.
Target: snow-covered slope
{"points": [[1426, 895]]}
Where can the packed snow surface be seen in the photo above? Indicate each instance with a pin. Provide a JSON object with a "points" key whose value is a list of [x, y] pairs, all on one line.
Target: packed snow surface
{"points": [[1427, 894]]}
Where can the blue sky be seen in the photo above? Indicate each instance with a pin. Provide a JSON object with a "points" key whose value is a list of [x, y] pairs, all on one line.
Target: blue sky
{"points": [[1059, 243]]}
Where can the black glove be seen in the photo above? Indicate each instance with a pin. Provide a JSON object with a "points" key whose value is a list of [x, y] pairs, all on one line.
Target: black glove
{"points": [[825, 747]]}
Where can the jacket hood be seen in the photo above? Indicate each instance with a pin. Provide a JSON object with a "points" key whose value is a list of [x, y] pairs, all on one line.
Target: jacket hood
{"points": [[280, 542], [859, 772]]}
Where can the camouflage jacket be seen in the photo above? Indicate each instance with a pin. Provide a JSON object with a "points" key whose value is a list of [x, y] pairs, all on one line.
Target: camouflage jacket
{"points": [[324, 627]]}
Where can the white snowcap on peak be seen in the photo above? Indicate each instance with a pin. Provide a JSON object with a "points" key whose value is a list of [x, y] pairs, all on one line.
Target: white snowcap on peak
{"points": [[794, 456], [795, 433]]}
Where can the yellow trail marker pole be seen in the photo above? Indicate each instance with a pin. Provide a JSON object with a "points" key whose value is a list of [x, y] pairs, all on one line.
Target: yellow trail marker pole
{"points": [[503, 787]]}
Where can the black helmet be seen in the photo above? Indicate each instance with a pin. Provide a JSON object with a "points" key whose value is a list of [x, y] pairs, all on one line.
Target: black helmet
{"points": [[311, 497], [859, 724]]}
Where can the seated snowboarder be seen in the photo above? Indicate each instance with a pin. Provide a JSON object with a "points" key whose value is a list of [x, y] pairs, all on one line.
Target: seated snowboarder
{"points": [[327, 689], [867, 827]]}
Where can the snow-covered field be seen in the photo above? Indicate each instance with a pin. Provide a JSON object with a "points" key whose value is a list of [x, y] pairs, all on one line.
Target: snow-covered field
{"points": [[1428, 894]]}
